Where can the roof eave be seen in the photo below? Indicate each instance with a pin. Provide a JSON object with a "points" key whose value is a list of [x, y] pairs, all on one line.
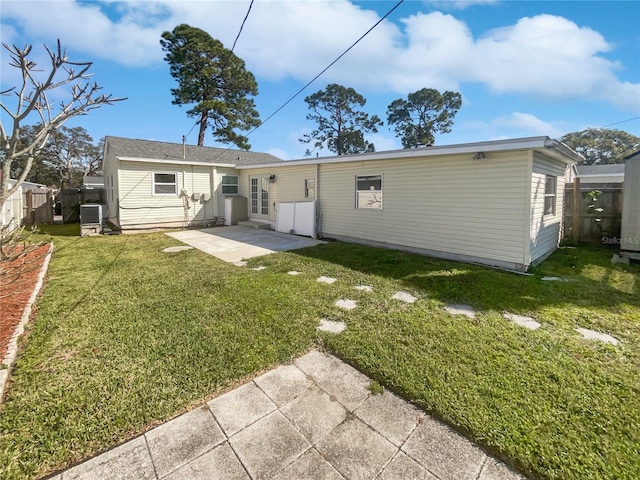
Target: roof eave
{"points": [[174, 161]]}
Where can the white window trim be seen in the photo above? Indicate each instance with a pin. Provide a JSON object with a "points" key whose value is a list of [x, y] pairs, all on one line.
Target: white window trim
{"points": [[153, 184], [553, 195], [237, 184], [358, 207]]}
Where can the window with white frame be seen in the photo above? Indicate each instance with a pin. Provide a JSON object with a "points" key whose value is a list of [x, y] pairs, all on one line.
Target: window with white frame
{"points": [[369, 191], [550, 191], [310, 188], [165, 183], [229, 184]]}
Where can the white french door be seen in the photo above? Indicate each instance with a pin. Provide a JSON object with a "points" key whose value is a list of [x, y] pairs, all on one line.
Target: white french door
{"points": [[259, 196]]}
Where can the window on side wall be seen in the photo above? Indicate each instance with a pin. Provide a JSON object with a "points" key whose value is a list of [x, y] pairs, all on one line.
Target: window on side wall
{"points": [[369, 191], [550, 190], [310, 188], [165, 184], [229, 184]]}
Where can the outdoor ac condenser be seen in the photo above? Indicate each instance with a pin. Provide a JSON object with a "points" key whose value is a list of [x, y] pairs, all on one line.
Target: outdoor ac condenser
{"points": [[90, 219]]}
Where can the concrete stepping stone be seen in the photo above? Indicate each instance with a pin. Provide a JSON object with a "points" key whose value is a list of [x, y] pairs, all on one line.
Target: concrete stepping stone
{"points": [[257, 269], [554, 279], [526, 322], [293, 272], [331, 326], [346, 303], [460, 309], [404, 297], [240, 264], [177, 249], [593, 335], [328, 280], [364, 288]]}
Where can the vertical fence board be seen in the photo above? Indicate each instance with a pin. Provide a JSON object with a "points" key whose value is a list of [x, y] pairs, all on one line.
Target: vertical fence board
{"points": [[584, 224]]}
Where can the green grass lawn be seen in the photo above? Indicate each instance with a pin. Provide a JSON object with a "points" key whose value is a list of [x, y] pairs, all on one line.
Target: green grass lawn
{"points": [[127, 336]]}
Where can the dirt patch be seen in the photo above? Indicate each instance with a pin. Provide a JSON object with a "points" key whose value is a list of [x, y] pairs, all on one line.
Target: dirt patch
{"points": [[18, 279]]}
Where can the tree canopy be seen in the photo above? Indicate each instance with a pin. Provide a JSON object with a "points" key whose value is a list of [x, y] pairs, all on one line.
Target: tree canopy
{"points": [[601, 146], [32, 98], [215, 81], [423, 114], [341, 122]]}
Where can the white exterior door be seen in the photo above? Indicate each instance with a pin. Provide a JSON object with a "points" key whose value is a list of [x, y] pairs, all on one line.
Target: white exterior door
{"points": [[259, 187]]}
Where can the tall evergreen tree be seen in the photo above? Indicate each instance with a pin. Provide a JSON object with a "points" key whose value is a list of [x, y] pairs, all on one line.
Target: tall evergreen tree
{"points": [[341, 123], [215, 81]]}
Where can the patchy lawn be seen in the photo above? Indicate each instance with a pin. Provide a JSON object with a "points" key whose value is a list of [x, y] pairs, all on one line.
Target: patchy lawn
{"points": [[127, 336]]}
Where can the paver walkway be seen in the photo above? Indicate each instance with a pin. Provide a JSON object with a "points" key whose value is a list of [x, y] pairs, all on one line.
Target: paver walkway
{"points": [[313, 419]]}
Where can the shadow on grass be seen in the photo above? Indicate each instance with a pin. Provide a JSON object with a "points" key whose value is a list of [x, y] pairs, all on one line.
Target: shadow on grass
{"points": [[59, 230], [493, 289]]}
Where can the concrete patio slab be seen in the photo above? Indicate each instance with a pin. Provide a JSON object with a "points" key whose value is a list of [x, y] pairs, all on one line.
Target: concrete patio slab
{"points": [[284, 384], [447, 454], [233, 244], [241, 407], [336, 378], [301, 412], [185, 438], [310, 466], [355, 450], [402, 468], [269, 445], [394, 418], [218, 464], [129, 461], [311, 419]]}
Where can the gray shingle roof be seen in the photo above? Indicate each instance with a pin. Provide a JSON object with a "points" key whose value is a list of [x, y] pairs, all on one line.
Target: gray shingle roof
{"points": [[150, 149]]}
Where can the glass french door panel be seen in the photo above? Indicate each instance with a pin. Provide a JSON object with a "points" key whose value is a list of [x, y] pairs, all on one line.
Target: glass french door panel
{"points": [[265, 196], [254, 195]]}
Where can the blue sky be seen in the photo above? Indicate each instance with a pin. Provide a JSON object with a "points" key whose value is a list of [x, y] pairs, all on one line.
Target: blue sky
{"points": [[524, 68]]}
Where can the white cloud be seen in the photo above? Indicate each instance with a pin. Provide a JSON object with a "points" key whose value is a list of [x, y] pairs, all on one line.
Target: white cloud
{"points": [[545, 56], [527, 125], [459, 4]]}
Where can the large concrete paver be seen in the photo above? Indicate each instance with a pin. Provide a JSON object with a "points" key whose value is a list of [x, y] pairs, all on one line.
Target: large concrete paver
{"points": [[313, 419]]}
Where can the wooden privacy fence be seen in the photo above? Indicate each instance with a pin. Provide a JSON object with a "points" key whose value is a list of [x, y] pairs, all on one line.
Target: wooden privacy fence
{"points": [[37, 206], [584, 222], [71, 198]]}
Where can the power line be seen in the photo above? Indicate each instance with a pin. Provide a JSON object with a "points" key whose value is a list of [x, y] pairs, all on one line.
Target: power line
{"points": [[225, 65], [242, 26], [618, 123]]}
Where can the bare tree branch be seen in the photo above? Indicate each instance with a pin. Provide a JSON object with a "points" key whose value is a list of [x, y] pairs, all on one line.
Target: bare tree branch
{"points": [[31, 98]]}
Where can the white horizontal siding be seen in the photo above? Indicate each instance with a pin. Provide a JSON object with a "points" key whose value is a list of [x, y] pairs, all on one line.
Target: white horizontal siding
{"points": [[287, 187], [630, 229], [138, 205], [449, 204], [546, 230]]}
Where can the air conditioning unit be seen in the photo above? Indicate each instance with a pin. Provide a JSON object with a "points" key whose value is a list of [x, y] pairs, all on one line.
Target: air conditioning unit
{"points": [[91, 214]]}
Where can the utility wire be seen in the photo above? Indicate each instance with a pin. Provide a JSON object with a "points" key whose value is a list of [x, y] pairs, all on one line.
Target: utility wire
{"points": [[322, 72], [224, 66], [618, 123], [242, 26]]}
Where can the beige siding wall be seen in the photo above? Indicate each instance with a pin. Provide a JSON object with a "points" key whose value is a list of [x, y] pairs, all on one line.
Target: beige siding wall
{"points": [[445, 204], [630, 232], [138, 205], [219, 196], [546, 230], [287, 187]]}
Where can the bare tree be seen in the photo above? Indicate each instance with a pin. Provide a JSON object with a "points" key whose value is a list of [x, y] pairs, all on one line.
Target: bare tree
{"points": [[31, 98]]}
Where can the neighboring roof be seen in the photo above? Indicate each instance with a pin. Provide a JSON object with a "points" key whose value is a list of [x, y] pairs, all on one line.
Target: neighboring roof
{"points": [[555, 148], [150, 150], [93, 180], [612, 169]]}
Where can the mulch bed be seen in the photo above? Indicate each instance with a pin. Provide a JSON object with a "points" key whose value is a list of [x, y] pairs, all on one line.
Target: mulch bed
{"points": [[18, 279]]}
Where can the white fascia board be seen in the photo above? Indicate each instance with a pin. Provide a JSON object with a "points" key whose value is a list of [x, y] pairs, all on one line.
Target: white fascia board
{"points": [[541, 143], [174, 162]]}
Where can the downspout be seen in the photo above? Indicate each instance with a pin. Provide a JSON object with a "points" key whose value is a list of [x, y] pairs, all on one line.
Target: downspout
{"points": [[526, 261]]}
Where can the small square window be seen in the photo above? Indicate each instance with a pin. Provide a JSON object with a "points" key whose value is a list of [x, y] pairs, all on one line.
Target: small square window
{"points": [[230, 185], [165, 184], [369, 191]]}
